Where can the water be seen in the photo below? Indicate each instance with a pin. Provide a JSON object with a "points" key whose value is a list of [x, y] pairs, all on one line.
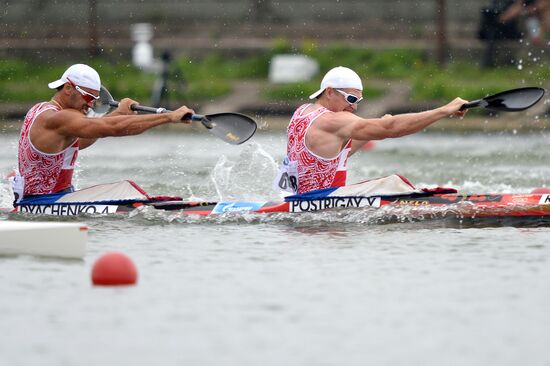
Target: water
{"points": [[312, 289]]}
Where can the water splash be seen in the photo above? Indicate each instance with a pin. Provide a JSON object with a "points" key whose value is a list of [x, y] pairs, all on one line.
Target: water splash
{"points": [[520, 65], [248, 178], [6, 194], [461, 214]]}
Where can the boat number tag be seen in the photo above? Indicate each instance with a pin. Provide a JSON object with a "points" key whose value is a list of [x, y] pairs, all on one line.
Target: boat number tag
{"points": [[287, 178]]}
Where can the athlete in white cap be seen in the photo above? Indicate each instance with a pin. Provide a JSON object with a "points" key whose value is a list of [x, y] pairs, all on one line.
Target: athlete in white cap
{"points": [[54, 131], [323, 134]]}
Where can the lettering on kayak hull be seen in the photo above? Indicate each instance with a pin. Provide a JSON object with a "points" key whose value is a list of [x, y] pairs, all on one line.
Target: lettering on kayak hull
{"points": [[413, 202], [67, 210], [544, 199], [333, 202]]}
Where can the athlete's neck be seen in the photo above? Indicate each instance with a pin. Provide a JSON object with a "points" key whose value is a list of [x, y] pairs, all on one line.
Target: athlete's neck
{"points": [[56, 103]]}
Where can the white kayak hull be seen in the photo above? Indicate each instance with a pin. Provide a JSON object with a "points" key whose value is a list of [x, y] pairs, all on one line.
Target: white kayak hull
{"points": [[51, 239]]}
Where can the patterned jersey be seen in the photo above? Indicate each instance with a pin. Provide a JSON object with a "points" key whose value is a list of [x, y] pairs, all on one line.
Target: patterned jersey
{"points": [[314, 172], [43, 173]]}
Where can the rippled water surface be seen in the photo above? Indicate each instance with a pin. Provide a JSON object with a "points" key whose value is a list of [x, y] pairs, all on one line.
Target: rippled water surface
{"points": [[312, 289]]}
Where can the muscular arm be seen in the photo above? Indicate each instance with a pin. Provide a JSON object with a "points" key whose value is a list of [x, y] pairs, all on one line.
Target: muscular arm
{"points": [[54, 131], [72, 123], [395, 126], [69, 123], [87, 142], [330, 132], [398, 125], [358, 144]]}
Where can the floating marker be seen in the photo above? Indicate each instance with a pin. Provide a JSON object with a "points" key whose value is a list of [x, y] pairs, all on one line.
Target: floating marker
{"points": [[114, 268]]}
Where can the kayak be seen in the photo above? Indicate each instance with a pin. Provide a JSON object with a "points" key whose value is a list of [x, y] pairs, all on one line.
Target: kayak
{"points": [[50, 239], [394, 194]]}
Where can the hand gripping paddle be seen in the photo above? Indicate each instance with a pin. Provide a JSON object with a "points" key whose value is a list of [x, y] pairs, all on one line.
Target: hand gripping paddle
{"points": [[234, 128]]}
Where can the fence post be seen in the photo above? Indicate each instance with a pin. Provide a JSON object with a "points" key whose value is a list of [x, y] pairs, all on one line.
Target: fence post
{"points": [[441, 22]]}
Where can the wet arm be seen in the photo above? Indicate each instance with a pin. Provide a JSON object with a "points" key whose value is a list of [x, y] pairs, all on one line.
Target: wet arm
{"points": [[72, 123], [403, 124], [358, 144], [396, 126]]}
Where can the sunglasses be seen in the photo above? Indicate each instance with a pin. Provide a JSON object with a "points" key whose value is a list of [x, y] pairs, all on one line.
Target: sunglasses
{"points": [[350, 98], [88, 97]]}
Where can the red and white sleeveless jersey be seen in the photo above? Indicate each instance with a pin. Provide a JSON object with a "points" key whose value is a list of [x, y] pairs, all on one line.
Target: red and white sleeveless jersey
{"points": [[314, 172], [44, 173]]}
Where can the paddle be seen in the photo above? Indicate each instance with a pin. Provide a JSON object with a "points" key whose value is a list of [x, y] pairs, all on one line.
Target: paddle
{"points": [[509, 101], [234, 128]]}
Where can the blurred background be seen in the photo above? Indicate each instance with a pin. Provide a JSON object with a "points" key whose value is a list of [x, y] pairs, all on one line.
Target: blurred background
{"points": [[264, 57]]}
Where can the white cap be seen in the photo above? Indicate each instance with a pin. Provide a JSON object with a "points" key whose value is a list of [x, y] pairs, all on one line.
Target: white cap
{"points": [[339, 77], [81, 75]]}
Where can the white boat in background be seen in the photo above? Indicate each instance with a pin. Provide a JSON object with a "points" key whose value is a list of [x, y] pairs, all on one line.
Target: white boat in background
{"points": [[51, 239]]}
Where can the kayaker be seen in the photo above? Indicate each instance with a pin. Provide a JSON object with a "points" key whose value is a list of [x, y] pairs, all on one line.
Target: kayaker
{"points": [[537, 18], [322, 135], [54, 131]]}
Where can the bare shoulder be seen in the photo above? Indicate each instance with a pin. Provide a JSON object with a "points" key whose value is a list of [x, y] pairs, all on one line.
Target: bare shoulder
{"points": [[52, 119], [335, 121]]}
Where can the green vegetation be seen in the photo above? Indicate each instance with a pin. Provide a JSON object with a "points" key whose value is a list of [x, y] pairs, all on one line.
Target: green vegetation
{"points": [[471, 82], [211, 77], [22, 81], [430, 81]]}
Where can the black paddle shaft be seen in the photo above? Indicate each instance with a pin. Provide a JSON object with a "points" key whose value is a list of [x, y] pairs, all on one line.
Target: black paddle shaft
{"points": [[233, 128], [513, 100], [153, 110]]}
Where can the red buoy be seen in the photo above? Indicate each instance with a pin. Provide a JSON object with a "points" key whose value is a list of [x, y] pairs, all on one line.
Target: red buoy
{"points": [[113, 269]]}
